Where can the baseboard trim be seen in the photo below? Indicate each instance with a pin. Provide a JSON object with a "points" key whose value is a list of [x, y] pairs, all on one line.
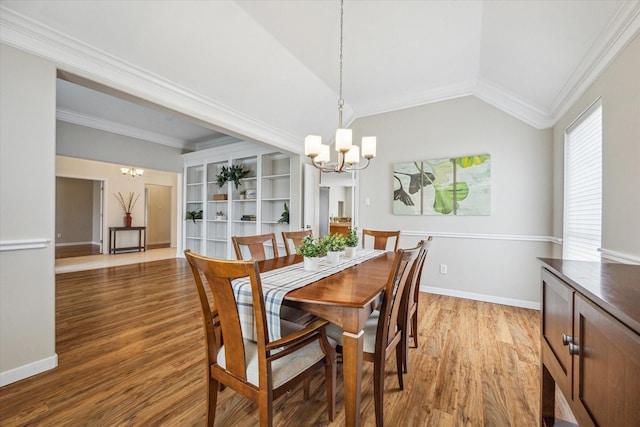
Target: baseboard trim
{"points": [[28, 370], [76, 244], [481, 297]]}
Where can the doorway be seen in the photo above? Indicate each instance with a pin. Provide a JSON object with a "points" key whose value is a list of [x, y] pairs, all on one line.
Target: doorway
{"points": [[158, 215], [79, 205]]}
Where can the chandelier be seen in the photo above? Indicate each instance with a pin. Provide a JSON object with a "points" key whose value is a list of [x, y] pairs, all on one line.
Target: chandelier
{"points": [[348, 154], [131, 171]]}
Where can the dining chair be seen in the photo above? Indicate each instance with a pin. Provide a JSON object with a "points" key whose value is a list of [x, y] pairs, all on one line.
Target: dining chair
{"points": [[383, 329], [255, 245], [259, 370], [410, 317], [294, 238], [380, 238]]}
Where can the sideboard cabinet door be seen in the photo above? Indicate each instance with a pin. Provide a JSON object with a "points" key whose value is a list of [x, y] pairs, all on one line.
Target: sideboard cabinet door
{"points": [[607, 368]]}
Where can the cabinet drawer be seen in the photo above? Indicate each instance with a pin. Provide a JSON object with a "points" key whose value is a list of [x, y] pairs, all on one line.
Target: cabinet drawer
{"points": [[557, 320], [607, 368]]}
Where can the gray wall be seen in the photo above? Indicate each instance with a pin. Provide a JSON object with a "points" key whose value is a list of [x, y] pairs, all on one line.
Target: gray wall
{"points": [[488, 257], [619, 88], [27, 212], [92, 144], [74, 210]]}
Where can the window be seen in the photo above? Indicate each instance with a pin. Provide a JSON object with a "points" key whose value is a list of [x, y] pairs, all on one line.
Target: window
{"points": [[583, 186]]}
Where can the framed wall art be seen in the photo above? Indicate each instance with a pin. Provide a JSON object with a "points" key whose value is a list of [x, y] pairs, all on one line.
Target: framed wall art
{"points": [[448, 186]]}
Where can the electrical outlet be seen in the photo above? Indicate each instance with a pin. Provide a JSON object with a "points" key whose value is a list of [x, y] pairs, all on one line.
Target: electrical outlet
{"points": [[59, 235], [443, 268]]}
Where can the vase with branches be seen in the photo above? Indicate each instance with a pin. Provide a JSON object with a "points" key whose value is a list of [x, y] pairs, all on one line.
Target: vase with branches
{"points": [[127, 203]]}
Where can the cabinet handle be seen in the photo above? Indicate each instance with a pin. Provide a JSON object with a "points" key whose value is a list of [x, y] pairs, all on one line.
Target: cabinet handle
{"points": [[574, 349], [566, 339]]}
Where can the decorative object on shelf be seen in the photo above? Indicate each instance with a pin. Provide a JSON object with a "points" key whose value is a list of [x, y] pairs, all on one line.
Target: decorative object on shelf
{"points": [[219, 215], [248, 218], [250, 194], [348, 154], [333, 244], [127, 204], [243, 194], [311, 248], [132, 171], [351, 243], [193, 215], [284, 218], [233, 173], [219, 197], [458, 186]]}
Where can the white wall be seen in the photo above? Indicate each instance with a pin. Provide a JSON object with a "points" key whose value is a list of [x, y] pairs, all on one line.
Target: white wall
{"points": [[619, 88], [494, 257], [27, 211]]}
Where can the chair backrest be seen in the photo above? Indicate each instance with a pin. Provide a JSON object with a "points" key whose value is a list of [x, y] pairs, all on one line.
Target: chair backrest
{"points": [[390, 321], [255, 246], [293, 239], [218, 274], [380, 238], [416, 275]]}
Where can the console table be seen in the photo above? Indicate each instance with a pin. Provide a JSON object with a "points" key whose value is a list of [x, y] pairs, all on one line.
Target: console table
{"points": [[142, 243], [591, 341]]}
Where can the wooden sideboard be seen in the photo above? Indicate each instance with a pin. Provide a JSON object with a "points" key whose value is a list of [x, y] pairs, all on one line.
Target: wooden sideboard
{"points": [[590, 326]]}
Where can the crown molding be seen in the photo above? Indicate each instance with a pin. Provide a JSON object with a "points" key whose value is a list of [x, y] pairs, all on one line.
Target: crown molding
{"points": [[77, 57], [621, 30], [512, 104], [482, 89], [120, 129]]}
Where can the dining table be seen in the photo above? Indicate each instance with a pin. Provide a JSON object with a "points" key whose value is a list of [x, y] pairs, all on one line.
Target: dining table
{"points": [[346, 298]]}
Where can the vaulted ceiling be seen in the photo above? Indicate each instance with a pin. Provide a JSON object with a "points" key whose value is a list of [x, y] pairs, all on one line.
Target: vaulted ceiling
{"points": [[270, 68]]}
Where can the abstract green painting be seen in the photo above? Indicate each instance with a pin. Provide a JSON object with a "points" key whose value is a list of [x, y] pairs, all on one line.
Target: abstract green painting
{"points": [[450, 186]]}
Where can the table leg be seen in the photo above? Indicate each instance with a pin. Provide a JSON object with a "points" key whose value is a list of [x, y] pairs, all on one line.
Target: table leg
{"points": [[352, 370]]}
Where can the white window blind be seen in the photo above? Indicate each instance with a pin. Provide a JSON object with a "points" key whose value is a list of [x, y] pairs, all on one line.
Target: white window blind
{"points": [[583, 187]]}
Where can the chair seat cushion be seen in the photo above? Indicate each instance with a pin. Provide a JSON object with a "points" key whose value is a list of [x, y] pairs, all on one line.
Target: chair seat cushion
{"points": [[370, 328], [283, 369]]}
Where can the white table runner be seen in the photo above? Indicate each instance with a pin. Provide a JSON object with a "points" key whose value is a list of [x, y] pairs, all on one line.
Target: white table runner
{"points": [[276, 283]]}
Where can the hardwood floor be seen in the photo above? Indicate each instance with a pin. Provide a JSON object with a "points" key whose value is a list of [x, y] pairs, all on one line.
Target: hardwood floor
{"points": [[76, 250], [131, 352]]}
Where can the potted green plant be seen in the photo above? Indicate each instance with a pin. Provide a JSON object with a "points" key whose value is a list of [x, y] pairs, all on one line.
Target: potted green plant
{"points": [[333, 244], [311, 248], [219, 215], [193, 215], [284, 218], [351, 243], [233, 173]]}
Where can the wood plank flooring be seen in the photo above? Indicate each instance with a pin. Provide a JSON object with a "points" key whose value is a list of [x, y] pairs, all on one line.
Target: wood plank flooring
{"points": [[130, 348]]}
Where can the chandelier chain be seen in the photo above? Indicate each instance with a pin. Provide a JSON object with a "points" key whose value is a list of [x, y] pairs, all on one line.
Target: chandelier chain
{"points": [[341, 100]]}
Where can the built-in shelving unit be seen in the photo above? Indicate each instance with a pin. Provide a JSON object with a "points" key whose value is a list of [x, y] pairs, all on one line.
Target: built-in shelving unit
{"points": [[255, 207]]}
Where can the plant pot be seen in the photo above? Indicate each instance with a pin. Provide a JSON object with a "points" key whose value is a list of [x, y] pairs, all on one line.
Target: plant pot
{"points": [[350, 251], [127, 220], [333, 257], [311, 263]]}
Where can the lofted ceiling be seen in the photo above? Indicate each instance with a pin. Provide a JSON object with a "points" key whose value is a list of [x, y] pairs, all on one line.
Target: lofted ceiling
{"points": [[273, 65]]}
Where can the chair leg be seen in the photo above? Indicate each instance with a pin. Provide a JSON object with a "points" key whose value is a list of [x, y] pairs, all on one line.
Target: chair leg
{"points": [[265, 408], [213, 400], [414, 328], [306, 387], [399, 362], [378, 391], [405, 349]]}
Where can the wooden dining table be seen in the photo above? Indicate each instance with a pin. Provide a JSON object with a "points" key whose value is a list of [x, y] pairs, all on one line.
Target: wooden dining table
{"points": [[346, 298]]}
